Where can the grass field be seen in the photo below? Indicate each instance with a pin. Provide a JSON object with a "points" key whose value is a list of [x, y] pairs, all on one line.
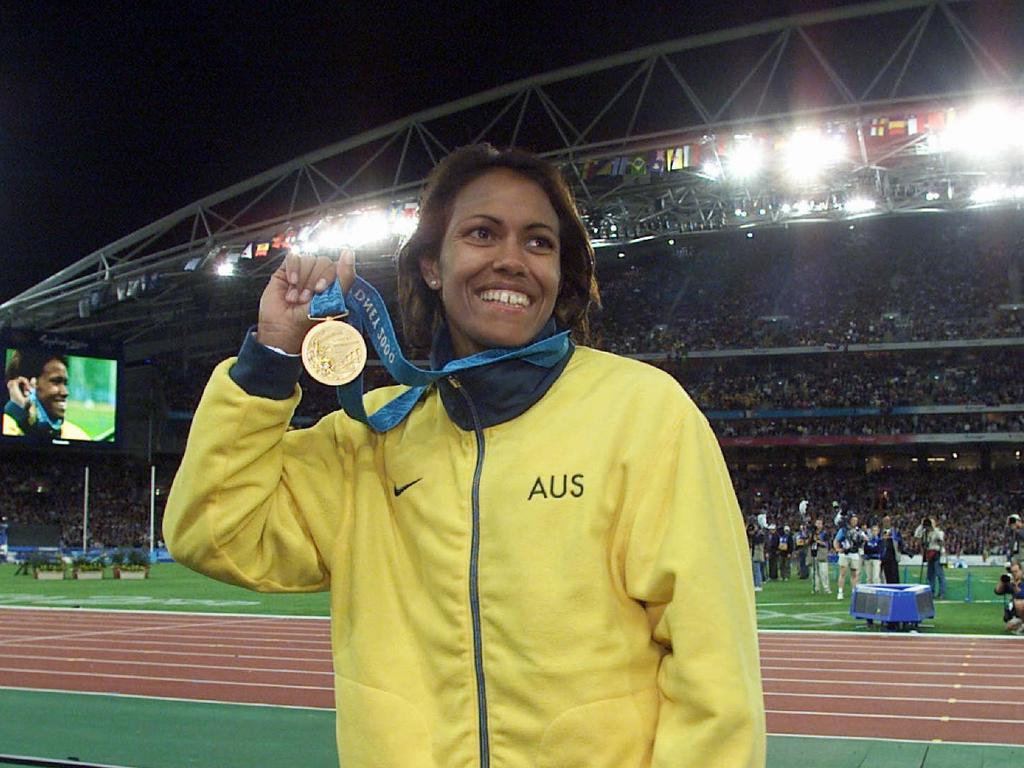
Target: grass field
{"points": [[972, 606], [170, 587], [97, 419]]}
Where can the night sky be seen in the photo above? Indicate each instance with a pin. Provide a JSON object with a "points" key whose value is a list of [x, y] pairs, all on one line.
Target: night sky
{"points": [[115, 114]]}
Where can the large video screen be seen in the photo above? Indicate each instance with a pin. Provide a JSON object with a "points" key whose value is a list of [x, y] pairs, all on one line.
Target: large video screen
{"points": [[59, 391]]}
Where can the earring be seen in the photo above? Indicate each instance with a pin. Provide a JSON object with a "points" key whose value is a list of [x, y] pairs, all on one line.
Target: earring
{"points": [[433, 283]]}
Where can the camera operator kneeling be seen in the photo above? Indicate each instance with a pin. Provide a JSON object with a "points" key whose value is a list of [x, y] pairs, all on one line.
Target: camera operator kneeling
{"points": [[1011, 585]]}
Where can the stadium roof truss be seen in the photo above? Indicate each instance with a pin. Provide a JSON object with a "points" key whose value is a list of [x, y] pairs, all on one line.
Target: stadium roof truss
{"points": [[650, 140]]}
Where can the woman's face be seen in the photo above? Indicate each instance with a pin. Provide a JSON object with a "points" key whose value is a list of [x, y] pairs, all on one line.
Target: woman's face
{"points": [[52, 388], [499, 270]]}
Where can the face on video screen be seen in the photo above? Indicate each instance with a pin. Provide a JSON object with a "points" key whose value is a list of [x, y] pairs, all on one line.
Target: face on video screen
{"points": [[77, 393], [52, 388]]}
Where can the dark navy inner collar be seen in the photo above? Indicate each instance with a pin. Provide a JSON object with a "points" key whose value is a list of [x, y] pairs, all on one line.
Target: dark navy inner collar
{"points": [[499, 391]]}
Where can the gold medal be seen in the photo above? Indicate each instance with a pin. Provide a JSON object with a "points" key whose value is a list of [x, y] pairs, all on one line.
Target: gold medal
{"points": [[333, 352]]}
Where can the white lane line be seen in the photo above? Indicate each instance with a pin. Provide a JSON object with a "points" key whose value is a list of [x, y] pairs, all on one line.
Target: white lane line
{"points": [[879, 716], [106, 632], [150, 663], [120, 636], [993, 745], [963, 672], [322, 658], [880, 699], [840, 634], [221, 631], [887, 663], [824, 646], [187, 681], [876, 683]]}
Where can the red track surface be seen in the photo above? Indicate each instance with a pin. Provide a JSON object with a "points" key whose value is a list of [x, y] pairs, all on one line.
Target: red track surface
{"points": [[962, 689]]}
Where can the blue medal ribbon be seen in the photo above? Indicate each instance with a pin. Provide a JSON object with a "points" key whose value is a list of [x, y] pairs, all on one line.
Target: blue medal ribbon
{"points": [[42, 417], [367, 312]]}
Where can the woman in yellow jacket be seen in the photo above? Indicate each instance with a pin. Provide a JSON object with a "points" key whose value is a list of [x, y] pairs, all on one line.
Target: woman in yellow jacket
{"points": [[541, 564]]}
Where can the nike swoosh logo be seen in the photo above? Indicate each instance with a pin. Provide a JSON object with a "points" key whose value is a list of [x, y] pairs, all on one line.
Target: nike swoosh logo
{"points": [[400, 490]]}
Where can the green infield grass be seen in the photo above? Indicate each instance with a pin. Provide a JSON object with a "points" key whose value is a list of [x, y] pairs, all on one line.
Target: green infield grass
{"points": [[170, 587], [971, 607]]}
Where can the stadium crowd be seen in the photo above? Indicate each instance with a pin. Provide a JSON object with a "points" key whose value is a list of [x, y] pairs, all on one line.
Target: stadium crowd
{"points": [[935, 280], [972, 507], [922, 424], [50, 490], [888, 282], [855, 380]]}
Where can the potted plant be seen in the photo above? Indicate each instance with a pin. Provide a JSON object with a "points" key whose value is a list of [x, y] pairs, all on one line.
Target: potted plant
{"points": [[84, 568], [130, 564], [47, 569]]}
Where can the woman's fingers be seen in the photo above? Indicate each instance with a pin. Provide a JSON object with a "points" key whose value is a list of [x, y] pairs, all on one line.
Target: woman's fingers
{"points": [[306, 275]]}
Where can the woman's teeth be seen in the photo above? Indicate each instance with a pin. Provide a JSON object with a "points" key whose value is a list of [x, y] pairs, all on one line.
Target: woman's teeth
{"points": [[512, 298]]}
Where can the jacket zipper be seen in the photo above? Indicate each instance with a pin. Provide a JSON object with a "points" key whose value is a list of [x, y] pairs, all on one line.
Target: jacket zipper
{"points": [[474, 589]]}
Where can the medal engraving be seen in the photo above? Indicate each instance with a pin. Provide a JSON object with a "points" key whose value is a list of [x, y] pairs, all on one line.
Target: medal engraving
{"points": [[333, 353]]}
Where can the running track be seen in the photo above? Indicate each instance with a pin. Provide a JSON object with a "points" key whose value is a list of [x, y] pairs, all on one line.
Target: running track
{"points": [[909, 687]]}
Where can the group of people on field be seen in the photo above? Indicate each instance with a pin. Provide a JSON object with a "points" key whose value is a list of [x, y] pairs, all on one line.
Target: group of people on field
{"points": [[869, 554]]}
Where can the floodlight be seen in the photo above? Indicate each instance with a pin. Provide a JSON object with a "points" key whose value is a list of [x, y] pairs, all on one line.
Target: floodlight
{"points": [[746, 159], [329, 238], [808, 153], [986, 130], [712, 170], [993, 193], [403, 226], [860, 205], [367, 227]]}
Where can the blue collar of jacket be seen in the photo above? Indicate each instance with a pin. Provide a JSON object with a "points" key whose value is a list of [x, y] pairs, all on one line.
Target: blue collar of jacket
{"points": [[499, 391]]}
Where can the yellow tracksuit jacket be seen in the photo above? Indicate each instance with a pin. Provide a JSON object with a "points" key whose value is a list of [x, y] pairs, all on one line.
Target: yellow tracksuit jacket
{"points": [[567, 589]]}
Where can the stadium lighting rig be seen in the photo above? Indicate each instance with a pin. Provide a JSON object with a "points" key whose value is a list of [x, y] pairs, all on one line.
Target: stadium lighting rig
{"points": [[988, 194], [990, 130], [859, 205], [747, 159], [807, 154]]}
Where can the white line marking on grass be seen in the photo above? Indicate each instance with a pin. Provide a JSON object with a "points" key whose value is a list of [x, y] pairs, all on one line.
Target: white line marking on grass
{"points": [[76, 601], [155, 612], [808, 619]]}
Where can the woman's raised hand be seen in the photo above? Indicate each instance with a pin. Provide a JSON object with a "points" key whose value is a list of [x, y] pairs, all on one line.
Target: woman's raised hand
{"points": [[284, 305]]}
